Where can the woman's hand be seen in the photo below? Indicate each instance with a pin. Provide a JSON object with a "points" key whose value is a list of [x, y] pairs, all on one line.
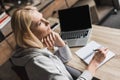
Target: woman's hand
{"points": [[53, 39], [100, 55], [97, 59]]}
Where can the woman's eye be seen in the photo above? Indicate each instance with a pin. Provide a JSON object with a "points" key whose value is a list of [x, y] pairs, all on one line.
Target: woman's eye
{"points": [[39, 24]]}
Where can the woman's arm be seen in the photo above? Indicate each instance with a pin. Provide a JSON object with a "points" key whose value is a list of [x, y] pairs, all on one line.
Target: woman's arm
{"points": [[63, 52], [97, 59]]}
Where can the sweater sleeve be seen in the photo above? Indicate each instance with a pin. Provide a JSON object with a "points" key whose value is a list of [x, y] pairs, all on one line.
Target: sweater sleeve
{"points": [[64, 53], [86, 75]]}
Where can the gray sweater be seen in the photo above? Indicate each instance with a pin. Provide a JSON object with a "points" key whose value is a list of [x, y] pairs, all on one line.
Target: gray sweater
{"points": [[41, 64]]}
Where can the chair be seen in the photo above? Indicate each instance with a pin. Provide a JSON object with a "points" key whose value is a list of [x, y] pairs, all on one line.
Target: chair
{"points": [[20, 71]]}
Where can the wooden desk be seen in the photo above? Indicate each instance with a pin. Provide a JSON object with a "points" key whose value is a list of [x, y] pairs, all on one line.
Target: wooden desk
{"points": [[108, 37]]}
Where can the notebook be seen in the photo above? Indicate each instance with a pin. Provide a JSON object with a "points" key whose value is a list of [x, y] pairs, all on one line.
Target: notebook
{"points": [[87, 52], [75, 25]]}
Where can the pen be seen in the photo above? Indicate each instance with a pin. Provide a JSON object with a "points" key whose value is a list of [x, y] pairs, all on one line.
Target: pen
{"points": [[98, 49]]}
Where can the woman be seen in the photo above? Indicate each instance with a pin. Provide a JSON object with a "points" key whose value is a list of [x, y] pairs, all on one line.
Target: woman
{"points": [[42, 51]]}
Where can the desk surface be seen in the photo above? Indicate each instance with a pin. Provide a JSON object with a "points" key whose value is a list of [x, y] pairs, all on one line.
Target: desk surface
{"points": [[108, 37]]}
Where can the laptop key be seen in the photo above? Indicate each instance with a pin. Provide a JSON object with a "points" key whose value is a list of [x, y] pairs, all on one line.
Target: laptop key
{"points": [[73, 35]]}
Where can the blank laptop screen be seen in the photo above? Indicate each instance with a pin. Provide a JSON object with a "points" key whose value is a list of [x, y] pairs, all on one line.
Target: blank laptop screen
{"points": [[76, 18]]}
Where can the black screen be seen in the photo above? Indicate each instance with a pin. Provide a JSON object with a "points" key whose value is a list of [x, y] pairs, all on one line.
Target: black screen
{"points": [[76, 18]]}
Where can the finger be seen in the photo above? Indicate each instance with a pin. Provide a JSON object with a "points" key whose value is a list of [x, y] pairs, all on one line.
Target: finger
{"points": [[102, 50], [51, 39], [45, 42], [57, 36], [53, 36], [42, 40], [106, 50]]}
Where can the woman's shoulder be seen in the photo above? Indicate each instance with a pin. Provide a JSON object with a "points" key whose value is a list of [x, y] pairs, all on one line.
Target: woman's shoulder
{"points": [[30, 52], [22, 55]]}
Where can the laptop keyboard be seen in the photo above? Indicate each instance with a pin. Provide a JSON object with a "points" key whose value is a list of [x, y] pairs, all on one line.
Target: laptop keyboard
{"points": [[74, 34]]}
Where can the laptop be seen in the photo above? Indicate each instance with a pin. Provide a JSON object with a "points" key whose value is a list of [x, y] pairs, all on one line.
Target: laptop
{"points": [[75, 25]]}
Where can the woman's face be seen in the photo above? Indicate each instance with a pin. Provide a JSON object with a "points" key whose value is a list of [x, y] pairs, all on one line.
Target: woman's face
{"points": [[40, 26]]}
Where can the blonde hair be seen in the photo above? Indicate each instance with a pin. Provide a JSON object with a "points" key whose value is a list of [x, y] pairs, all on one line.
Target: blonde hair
{"points": [[21, 22]]}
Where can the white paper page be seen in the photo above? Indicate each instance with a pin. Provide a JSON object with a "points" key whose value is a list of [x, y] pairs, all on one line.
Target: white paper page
{"points": [[86, 53]]}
